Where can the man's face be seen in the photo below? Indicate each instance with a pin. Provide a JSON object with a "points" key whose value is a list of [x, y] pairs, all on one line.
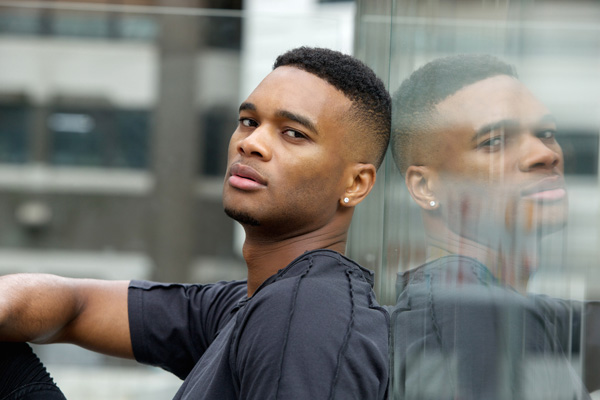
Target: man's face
{"points": [[499, 165], [286, 157]]}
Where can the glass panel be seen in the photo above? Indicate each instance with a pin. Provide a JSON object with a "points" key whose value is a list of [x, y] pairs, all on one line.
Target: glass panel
{"points": [[491, 272]]}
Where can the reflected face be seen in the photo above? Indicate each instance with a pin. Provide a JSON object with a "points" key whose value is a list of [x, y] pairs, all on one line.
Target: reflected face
{"points": [[286, 158], [499, 164]]}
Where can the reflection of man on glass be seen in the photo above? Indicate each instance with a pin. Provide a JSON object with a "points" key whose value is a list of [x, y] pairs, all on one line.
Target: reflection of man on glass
{"points": [[479, 156]]}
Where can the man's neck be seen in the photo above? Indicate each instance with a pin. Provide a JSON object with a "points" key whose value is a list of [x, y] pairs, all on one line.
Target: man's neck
{"points": [[265, 256]]}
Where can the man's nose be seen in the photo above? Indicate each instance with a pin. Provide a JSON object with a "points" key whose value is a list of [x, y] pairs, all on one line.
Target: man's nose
{"points": [[537, 154], [257, 144]]}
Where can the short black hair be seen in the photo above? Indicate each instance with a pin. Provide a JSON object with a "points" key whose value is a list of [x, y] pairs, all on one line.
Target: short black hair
{"points": [[415, 100], [372, 104]]}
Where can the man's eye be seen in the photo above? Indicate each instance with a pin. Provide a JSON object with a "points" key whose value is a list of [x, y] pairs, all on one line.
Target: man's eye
{"points": [[293, 134], [494, 142], [248, 122], [547, 134]]}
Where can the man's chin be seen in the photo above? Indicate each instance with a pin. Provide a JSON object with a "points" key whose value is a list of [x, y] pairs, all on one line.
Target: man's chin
{"points": [[547, 219], [528, 217], [242, 217], [551, 226]]}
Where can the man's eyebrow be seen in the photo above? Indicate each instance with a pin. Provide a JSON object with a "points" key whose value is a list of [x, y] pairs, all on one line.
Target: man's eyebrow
{"points": [[509, 124], [284, 114], [247, 106], [494, 126], [547, 119], [307, 123]]}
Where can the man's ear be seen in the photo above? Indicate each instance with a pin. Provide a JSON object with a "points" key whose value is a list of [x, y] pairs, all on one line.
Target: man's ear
{"points": [[361, 179], [420, 186]]}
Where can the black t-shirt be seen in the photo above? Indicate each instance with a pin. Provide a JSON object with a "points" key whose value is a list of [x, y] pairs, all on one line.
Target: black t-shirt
{"points": [[312, 331], [23, 376]]}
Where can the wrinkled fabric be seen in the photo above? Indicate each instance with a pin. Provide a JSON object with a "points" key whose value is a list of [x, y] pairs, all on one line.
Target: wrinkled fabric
{"points": [[23, 376]]}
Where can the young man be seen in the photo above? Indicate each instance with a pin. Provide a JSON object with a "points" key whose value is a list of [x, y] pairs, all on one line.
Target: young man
{"points": [[479, 156], [305, 324]]}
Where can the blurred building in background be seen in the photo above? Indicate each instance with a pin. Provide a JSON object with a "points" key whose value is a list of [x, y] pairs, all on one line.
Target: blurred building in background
{"points": [[114, 124]]}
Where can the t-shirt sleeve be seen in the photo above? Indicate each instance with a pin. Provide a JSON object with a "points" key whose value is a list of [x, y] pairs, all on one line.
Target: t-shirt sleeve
{"points": [[171, 325], [309, 339]]}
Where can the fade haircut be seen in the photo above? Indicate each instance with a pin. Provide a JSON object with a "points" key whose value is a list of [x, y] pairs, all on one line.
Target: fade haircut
{"points": [[415, 101], [371, 102]]}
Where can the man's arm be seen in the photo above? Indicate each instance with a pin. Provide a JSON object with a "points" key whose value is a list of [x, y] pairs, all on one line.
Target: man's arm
{"points": [[43, 308]]}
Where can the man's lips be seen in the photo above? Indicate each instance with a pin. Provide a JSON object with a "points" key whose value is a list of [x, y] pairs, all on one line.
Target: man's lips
{"points": [[548, 189], [245, 178], [548, 195]]}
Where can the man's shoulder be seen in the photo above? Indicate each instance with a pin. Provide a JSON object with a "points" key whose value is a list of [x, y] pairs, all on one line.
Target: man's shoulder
{"points": [[320, 266], [322, 292], [453, 271], [321, 276], [320, 297], [320, 308]]}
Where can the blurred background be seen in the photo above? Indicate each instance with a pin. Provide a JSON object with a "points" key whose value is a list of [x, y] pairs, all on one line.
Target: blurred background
{"points": [[115, 118]]}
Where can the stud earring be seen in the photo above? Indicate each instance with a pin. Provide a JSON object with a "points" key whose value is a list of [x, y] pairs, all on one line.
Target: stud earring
{"points": [[346, 200], [432, 203]]}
